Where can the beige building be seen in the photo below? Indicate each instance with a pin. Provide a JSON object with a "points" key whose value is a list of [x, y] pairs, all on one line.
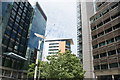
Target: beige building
{"points": [[105, 26], [52, 46]]}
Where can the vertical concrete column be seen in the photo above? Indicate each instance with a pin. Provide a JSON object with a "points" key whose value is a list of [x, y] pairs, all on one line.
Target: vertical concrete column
{"points": [[112, 77], [11, 74], [22, 75]]}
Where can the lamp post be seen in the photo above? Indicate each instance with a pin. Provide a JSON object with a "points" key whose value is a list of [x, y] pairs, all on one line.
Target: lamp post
{"points": [[36, 64]]}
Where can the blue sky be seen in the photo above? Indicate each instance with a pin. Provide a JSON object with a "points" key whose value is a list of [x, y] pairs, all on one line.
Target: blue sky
{"points": [[61, 15]]}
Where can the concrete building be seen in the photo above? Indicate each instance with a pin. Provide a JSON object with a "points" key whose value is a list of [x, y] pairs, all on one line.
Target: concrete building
{"points": [[85, 11], [52, 46], [38, 26], [16, 19], [105, 31]]}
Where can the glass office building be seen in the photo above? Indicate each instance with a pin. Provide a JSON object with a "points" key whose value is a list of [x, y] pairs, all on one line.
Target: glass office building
{"points": [[16, 19], [38, 26]]}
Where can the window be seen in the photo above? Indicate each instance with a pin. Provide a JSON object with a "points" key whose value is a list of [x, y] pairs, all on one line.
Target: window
{"points": [[53, 46], [116, 26], [13, 13], [115, 5], [23, 41], [108, 30], [21, 49], [92, 20], [21, 5], [93, 28], [53, 49], [110, 41], [15, 65], [18, 18], [11, 21], [53, 43], [116, 15], [25, 9], [26, 26], [13, 35], [100, 24], [111, 52], [8, 62], [97, 67], [52, 53], [118, 51], [15, 5], [99, 5], [19, 30], [107, 20], [117, 38], [94, 37], [104, 66], [15, 8], [5, 40], [11, 44], [101, 44], [113, 65], [101, 33], [8, 31], [24, 34], [15, 27], [95, 46], [105, 11], [24, 14], [20, 11], [98, 16], [26, 4], [96, 56], [103, 55]]}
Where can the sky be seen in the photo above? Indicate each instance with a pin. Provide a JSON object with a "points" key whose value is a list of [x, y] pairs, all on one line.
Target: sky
{"points": [[61, 19]]}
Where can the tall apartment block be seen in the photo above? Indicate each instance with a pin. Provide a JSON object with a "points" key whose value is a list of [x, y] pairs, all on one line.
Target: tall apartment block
{"points": [[16, 19], [38, 26], [85, 11], [52, 46], [105, 31]]}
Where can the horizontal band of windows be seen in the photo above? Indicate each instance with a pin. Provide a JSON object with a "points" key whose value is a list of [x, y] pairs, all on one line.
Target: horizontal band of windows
{"points": [[107, 66], [52, 53], [53, 43], [105, 12], [117, 38], [105, 54], [106, 31], [106, 21]]}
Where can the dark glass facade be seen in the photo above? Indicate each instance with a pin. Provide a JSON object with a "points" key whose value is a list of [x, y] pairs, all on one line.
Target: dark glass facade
{"points": [[38, 26], [17, 17]]}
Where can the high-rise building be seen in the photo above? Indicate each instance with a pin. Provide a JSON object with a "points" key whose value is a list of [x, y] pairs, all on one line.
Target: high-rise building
{"points": [[16, 19], [79, 32], [38, 26], [52, 46], [85, 10], [105, 27]]}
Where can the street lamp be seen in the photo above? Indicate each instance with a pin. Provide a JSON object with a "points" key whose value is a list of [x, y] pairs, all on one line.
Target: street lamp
{"points": [[36, 64]]}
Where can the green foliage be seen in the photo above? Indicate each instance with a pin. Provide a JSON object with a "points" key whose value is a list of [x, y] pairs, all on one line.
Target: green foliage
{"points": [[60, 66], [31, 70]]}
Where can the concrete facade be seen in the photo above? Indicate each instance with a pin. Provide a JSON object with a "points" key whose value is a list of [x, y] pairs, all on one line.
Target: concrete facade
{"points": [[105, 26], [87, 10]]}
